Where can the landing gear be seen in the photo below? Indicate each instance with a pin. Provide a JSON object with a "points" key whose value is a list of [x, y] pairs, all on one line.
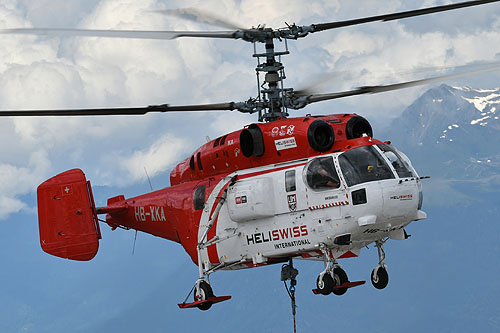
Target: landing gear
{"points": [[333, 275], [380, 278], [202, 292], [339, 278], [333, 278], [325, 283], [379, 275], [203, 296]]}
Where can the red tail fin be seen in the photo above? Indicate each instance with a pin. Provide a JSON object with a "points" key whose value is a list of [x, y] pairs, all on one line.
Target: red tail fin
{"points": [[67, 217]]}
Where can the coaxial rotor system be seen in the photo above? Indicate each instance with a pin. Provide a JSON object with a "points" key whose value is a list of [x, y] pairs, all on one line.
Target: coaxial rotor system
{"points": [[273, 100]]}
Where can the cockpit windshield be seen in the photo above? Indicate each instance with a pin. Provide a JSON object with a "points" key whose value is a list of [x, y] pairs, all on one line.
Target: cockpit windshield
{"points": [[398, 162], [364, 164]]}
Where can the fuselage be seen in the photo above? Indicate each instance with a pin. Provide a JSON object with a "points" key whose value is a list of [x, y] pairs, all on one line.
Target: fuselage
{"points": [[344, 199]]}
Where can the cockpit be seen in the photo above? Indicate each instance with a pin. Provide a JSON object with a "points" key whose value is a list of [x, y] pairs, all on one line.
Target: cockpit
{"points": [[359, 165], [321, 174], [398, 160]]}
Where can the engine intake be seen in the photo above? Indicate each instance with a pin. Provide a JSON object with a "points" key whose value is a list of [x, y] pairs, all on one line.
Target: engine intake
{"points": [[252, 141], [357, 126], [320, 136]]}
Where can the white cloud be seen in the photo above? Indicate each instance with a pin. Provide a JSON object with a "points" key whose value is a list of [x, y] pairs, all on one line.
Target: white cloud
{"points": [[41, 72], [9, 205], [163, 153], [18, 180], [228, 122]]}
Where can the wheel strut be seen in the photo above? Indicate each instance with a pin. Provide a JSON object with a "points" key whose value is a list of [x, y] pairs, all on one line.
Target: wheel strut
{"points": [[332, 276], [381, 253]]}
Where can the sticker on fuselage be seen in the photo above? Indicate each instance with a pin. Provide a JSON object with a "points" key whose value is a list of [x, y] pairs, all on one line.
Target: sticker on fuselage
{"points": [[283, 234], [402, 197], [283, 130], [292, 202], [287, 143], [241, 200]]}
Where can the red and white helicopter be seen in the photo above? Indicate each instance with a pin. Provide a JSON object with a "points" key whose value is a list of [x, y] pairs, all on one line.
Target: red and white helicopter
{"points": [[314, 187]]}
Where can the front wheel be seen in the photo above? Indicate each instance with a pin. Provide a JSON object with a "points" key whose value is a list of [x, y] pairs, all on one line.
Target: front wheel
{"points": [[380, 278]]}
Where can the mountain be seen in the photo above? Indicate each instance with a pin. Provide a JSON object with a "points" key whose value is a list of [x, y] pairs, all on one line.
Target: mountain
{"points": [[452, 132]]}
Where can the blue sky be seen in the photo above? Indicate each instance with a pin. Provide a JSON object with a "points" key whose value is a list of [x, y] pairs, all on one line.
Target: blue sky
{"points": [[42, 72]]}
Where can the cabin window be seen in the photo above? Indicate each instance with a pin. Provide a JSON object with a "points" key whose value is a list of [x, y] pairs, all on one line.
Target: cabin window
{"points": [[199, 197], [321, 174], [398, 163], [191, 163], [198, 160], [217, 142], [363, 164], [223, 140], [290, 181]]}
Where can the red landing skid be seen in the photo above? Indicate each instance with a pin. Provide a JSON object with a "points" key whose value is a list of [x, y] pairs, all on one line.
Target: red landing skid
{"points": [[212, 300], [345, 285]]}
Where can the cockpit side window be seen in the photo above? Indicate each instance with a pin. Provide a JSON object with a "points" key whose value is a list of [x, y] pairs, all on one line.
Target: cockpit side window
{"points": [[399, 164], [363, 164], [321, 175], [199, 197]]}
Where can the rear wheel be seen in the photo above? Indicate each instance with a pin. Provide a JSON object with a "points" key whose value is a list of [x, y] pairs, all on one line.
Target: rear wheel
{"points": [[202, 294], [324, 284], [339, 277]]}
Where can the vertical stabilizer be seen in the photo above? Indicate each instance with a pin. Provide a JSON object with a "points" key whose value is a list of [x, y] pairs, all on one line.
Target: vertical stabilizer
{"points": [[67, 217]]}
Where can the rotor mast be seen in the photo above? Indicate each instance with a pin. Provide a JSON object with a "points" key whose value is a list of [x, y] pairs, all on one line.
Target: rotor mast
{"points": [[271, 93]]}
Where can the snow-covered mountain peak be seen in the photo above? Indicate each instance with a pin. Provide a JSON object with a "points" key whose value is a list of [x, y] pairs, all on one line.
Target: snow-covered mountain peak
{"points": [[486, 102], [453, 126]]}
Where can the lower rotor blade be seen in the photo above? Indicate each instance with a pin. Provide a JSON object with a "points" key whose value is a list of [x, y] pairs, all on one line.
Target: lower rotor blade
{"points": [[390, 87], [116, 111], [131, 34]]}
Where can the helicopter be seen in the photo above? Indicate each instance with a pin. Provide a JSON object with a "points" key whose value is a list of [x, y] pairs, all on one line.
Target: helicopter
{"points": [[315, 187]]}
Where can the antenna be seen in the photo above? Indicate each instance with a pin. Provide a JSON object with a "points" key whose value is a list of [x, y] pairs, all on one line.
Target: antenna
{"points": [[135, 239], [151, 187], [149, 180]]}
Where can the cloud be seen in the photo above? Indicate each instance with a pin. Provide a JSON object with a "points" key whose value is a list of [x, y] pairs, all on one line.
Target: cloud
{"points": [[18, 180], [163, 153], [42, 72], [9, 205]]}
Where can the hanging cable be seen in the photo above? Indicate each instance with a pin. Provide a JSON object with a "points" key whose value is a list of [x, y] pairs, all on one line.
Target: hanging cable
{"points": [[288, 272]]}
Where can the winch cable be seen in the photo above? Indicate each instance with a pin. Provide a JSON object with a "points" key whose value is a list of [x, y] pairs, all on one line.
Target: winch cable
{"points": [[291, 293], [288, 272]]}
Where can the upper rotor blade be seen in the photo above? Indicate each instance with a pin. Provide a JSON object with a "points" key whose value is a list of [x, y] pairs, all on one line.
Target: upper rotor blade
{"points": [[117, 111], [400, 15], [390, 87], [165, 35], [199, 16]]}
